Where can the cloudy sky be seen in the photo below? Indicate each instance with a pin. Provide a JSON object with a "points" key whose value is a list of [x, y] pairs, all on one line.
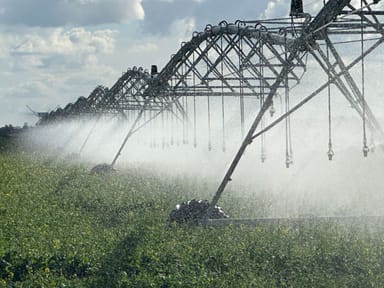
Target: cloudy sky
{"points": [[53, 51]]}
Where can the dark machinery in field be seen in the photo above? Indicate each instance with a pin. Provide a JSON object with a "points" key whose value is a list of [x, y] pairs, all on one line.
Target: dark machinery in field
{"points": [[258, 61]]}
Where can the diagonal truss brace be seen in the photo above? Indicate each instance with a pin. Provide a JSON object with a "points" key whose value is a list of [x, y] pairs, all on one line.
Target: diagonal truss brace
{"points": [[332, 79], [248, 139], [355, 98]]}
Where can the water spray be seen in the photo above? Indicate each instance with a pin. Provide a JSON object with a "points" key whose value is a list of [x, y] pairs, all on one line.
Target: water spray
{"points": [[248, 60]]}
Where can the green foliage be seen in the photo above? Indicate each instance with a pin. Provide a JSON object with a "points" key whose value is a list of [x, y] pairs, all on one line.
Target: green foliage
{"points": [[60, 226]]}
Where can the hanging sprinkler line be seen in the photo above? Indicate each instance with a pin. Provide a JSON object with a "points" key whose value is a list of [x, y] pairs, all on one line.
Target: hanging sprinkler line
{"points": [[209, 111], [287, 155], [131, 131], [185, 104], [288, 145], [152, 129], [209, 123], [318, 90], [135, 127], [248, 138], [365, 146], [222, 96], [89, 134], [263, 154], [241, 65], [172, 124], [330, 152], [194, 106], [167, 131]]}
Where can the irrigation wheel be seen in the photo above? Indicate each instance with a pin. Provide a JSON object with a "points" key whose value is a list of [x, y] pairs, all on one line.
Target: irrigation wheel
{"points": [[102, 169], [192, 212]]}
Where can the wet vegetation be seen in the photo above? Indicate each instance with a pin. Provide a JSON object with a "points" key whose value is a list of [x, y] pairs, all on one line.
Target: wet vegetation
{"points": [[62, 226]]}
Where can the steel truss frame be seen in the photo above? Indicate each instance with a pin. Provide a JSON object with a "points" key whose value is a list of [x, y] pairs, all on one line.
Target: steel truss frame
{"points": [[320, 28], [244, 59]]}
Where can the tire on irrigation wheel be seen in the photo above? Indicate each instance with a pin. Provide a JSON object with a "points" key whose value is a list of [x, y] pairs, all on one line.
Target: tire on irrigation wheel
{"points": [[102, 169], [192, 212]]}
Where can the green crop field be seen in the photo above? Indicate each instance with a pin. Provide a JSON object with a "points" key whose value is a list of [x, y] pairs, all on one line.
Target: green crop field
{"points": [[60, 226]]}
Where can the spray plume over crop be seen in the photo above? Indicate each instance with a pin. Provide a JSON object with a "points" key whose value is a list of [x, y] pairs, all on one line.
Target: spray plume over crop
{"points": [[348, 185]]}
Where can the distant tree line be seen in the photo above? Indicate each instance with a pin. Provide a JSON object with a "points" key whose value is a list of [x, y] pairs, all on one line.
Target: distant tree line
{"points": [[9, 130]]}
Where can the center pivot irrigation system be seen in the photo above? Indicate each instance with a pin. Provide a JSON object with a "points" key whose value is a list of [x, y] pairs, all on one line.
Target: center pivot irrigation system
{"points": [[250, 65]]}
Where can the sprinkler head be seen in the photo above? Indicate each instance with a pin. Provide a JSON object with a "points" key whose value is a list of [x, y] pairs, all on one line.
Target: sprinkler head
{"points": [[365, 151], [287, 163], [330, 154], [272, 110]]}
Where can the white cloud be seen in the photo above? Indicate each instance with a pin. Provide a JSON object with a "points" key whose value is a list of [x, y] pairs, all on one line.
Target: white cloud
{"points": [[46, 67], [276, 8], [45, 61], [60, 41], [151, 49], [28, 90], [74, 48], [46, 89], [48, 13], [183, 29], [144, 47]]}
